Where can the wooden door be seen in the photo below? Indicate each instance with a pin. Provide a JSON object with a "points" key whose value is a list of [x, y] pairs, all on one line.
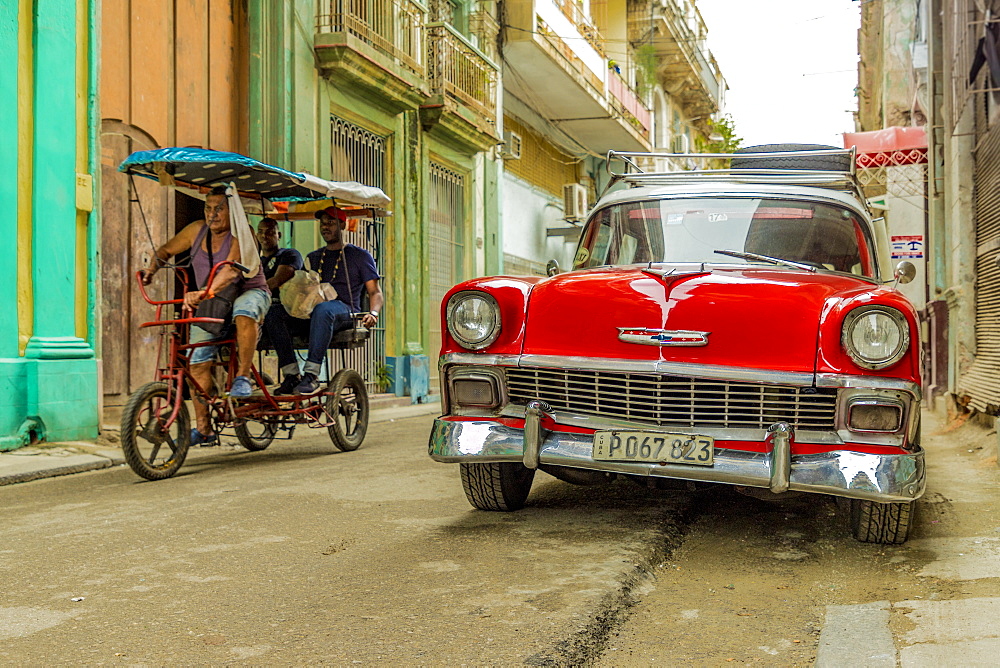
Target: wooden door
{"points": [[128, 354]]}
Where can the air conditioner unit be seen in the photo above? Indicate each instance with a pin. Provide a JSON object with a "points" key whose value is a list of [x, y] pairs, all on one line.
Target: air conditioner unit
{"points": [[680, 144], [574, 201], [511, 149]]}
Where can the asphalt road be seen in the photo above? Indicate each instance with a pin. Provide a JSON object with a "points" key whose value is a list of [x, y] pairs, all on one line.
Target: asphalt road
{"points": [[782, 583], [301, 554]]}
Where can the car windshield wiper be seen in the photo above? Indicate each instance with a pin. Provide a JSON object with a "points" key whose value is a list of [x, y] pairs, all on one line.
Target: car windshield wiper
{"points": [[766, 258]]}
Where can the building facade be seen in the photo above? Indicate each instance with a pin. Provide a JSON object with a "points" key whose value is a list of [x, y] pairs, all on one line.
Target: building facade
{"points": [[926, 63], [393, 94], [583, 78], [48, 366], [965, 218], [489, 135], [892, 116], [399, 95]]}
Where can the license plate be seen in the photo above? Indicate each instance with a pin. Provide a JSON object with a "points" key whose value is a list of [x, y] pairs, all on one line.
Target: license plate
{"points": [[653, 446]]}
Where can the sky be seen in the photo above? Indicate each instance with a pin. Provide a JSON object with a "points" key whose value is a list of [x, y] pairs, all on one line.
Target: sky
{"points": [[791, 67]]}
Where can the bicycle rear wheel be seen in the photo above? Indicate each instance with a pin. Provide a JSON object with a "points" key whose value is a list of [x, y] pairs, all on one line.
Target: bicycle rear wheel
{"points": [[347, 406], [152, 451]]}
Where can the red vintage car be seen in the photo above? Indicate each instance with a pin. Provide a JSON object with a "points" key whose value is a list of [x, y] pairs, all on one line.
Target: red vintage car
{"points": [[738, 326]]}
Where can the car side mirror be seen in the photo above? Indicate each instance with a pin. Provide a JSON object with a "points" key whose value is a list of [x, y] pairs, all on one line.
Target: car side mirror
{"points": [[552, 267], [905, 272]]}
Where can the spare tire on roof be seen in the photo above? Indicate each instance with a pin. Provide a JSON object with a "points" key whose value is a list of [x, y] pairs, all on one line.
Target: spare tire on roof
{"points": [[826, 163]]}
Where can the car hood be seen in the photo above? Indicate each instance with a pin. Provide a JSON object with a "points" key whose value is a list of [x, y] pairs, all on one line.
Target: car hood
{"points": [[751, 317]]}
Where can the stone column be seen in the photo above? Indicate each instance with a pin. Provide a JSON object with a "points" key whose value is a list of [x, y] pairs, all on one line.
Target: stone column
{"points": [[62, 370]]}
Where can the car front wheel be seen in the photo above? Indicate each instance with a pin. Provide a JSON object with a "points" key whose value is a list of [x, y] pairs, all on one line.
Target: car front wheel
{"points": [[500, 486], [885, 523]]}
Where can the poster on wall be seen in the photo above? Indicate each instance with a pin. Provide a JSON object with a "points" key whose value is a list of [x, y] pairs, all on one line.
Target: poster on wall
{"points": [[907, 247]]}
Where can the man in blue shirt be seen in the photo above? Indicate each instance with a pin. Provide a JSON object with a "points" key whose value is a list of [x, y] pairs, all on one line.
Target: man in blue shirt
{"points": [[279, 264], [351, 271]]}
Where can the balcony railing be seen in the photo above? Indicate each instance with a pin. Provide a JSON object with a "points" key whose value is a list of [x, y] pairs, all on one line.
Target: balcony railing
{"points": [[564, 51], [572, 10], [689, 33], [459, 70], [393, 27], [626, 100]]}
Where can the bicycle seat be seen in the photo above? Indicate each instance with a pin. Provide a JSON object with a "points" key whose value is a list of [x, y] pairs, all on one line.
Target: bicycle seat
{"points": [[345, 339]]}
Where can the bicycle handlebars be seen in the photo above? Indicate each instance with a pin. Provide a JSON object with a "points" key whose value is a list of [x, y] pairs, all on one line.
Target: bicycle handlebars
{"points": [[160, 304], [211, 277]]}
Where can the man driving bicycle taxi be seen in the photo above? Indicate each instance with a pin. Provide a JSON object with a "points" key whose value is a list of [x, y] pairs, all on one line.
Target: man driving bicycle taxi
{"points": [[350, 270], [249, 308]]}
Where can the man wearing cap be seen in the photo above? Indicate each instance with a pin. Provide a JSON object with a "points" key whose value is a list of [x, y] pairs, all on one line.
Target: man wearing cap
{"points": [[350, 270]]}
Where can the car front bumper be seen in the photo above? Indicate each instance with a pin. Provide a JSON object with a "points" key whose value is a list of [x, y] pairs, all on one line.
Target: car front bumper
{"points": [[861, 475]]}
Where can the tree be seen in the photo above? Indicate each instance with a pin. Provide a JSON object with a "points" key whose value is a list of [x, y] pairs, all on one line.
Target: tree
{"points": [[722, 139]]}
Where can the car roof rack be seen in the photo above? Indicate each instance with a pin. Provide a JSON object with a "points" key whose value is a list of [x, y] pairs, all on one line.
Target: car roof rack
{"points": [[635, 176]]}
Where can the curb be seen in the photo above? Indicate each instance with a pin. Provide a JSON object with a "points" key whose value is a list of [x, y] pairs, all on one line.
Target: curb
{"points": [[55, 459], [38, 474], [50, 460]]}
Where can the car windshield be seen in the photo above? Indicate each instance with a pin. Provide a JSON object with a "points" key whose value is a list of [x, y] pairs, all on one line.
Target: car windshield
{"points": [[692, 230]]}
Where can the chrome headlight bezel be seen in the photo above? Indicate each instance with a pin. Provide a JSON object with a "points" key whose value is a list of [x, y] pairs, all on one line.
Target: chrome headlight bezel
{"points": [[460, 299], [853, 319], [492, 375]]}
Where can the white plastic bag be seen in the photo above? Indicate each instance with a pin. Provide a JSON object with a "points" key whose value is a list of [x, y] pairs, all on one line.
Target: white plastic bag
{"points": [[301, 293]]}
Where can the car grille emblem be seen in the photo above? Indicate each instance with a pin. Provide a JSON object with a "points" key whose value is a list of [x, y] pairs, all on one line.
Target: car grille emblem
{"points": [[647, 336]]}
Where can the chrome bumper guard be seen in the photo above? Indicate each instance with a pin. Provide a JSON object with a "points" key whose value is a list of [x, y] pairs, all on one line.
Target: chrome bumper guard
{"points": [[858, 475]]}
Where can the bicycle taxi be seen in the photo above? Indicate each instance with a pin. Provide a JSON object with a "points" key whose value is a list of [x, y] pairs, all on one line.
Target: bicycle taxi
{"points": [[156, 427]]}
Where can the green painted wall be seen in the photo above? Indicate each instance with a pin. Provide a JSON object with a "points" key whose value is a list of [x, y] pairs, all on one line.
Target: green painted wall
{"points": [[8, 186], [13, 392], [50, 392]]}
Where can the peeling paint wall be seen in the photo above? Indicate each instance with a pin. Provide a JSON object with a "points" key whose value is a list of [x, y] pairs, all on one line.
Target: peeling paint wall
{"points": [[892, 45]]}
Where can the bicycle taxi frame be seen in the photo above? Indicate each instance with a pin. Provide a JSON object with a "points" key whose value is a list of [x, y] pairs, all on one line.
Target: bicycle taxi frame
{"points": [[155, 427]]}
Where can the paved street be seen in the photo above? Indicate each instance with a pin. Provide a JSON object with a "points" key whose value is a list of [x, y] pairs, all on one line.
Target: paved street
{"points": [[784, 585], [303, 555], [300, 554]]}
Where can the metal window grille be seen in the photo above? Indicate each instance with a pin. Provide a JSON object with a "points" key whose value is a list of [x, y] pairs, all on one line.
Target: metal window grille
{"points": [[359, 155], [447, 246], [515, 265]]}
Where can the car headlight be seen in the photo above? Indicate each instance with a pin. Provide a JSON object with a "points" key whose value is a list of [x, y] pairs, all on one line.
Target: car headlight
{"points": [[473, 319], [876, 337]]}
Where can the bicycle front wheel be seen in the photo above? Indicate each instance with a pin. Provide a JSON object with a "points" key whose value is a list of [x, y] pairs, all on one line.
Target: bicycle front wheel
{"points": [[151, 449]]}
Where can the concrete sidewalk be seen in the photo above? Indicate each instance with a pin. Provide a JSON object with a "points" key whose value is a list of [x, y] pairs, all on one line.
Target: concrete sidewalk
{"points": [[47, 460]]}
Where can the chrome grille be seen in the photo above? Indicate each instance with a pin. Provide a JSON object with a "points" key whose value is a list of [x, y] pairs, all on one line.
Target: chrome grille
{"points": [[674, 400]]}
